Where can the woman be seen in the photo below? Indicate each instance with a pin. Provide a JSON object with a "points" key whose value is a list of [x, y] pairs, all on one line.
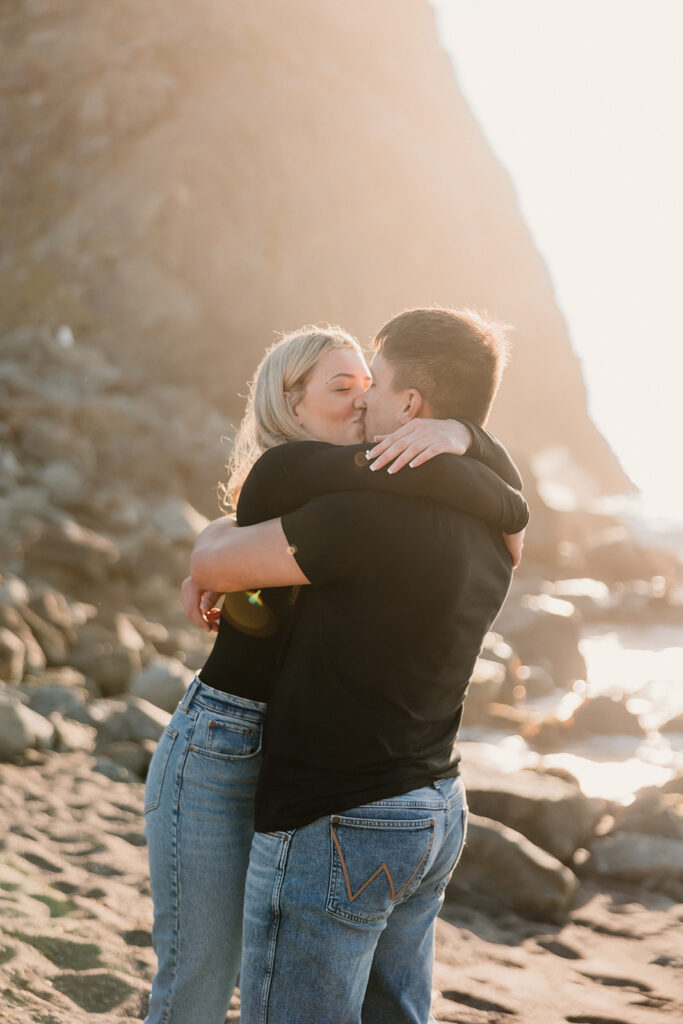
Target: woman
{"points": [[201, 783]]}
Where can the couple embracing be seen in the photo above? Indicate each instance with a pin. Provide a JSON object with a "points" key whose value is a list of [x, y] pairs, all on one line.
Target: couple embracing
{"points": [[304, 808]]}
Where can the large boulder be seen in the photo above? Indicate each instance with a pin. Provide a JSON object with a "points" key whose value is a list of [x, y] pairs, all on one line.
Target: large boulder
{"points": [[551, 812], [653, 812], [604, 715], [504, 867]]}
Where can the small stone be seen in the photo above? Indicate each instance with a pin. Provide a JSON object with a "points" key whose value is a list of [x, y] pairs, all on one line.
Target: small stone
{"points": [[163, 683], [12, 656], [21, 729]]}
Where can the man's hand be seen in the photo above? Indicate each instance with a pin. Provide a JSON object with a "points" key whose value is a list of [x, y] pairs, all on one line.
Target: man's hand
{"points": [[200, 605], [417, 442], [514, 543]]}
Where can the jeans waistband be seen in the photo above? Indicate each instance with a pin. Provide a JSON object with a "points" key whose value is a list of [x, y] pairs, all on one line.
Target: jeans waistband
{"points": [[198, 689]]}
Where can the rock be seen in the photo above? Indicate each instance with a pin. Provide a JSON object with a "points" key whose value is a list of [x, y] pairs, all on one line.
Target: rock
{"points": [[163, 683], [52, 640], [138, 720], [505, 868], [604, 716], [486, 684], [674, 785], [12, 656], [21, 729], [115, 771], [34, 659], [154, 634], [536, 680], [53, 607], [47, 440], [66, 484], [14, 591], [76, 551], [674, 724], [101, 654], [179, 521], [501, 716], [147, 553], [636, 857], [652, 813], [551, 813], [156, 592], [72, 735], [545, 631], [69, 701], [134, 757]]}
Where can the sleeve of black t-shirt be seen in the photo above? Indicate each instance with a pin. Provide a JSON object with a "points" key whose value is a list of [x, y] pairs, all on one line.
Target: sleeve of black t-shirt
{"points": [[338, 536], [488, 450], [290, 475]]}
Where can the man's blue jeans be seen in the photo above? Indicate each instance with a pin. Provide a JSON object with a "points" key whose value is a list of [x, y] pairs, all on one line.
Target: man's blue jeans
{"points": [[199, 811], [340, 915]]}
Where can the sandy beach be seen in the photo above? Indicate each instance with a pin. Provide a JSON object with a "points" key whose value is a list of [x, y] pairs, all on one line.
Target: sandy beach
{"points": [[75, 933]]}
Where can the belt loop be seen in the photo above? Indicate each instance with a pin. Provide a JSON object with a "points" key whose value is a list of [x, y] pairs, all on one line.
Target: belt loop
{"points": [[189, 694]]}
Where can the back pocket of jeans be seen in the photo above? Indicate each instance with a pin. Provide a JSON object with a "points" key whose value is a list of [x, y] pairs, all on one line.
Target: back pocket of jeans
{"points": [[157, 769], [375, 864]]}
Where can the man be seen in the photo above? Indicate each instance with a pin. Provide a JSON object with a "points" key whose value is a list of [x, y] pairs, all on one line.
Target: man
{"points": [[361, 812]]}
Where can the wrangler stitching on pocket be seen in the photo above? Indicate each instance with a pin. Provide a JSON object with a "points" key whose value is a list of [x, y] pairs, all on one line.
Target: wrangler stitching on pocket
{"points": [[395, 893]]}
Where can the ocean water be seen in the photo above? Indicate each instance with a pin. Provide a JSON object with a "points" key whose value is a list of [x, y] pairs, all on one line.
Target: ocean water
{"points": [[644, 665]]}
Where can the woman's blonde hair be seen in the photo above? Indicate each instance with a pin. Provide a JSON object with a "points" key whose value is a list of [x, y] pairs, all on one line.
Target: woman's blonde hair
{"points": [[278, 384]]}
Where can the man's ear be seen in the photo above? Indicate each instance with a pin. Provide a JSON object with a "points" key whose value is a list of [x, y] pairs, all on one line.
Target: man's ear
{"points": [[412, 404]]}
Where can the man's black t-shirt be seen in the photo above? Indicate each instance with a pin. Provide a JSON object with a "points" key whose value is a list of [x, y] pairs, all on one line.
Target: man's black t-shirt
{"points": [[254, 628], [368, 700]]}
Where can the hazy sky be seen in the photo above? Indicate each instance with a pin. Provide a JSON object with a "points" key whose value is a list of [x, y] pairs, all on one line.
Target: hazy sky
{"points": [[582, 100]]}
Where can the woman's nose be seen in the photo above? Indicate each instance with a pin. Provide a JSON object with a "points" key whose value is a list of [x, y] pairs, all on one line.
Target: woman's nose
{"points": [[359, 400]]}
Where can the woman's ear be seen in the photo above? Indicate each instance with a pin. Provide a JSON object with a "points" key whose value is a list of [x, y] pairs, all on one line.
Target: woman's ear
{"points": [[292, 405]]}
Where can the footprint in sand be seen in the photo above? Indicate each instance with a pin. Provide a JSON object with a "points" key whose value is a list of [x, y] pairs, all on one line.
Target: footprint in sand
{"points": [[477, 1004], [41, 862], [97, 991], [559, 948], [62, 952], [589, 1018], [607, 979]]}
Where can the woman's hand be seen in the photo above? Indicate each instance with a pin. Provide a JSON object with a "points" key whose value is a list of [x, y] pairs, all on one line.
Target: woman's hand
{"points": [[200, 605], [514, 543], [417, 442]]}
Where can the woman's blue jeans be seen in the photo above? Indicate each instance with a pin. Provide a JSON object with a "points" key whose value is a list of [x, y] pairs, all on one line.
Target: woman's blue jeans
{"points": [[339, 915], [199, 823]]}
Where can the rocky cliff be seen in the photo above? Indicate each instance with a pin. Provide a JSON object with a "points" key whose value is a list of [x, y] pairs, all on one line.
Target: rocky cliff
{"points": [[182, 180]]}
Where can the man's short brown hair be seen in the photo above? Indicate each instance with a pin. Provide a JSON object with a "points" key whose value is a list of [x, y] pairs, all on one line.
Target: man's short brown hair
{"points": [[454, 358]]}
